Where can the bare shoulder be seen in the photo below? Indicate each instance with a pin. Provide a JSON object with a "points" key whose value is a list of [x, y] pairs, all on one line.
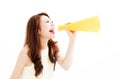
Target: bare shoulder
{"points": [[23, 54], [20, 63], [25, 50]]}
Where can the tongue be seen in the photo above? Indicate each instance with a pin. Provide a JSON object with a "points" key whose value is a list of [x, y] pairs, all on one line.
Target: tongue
{"points": [[52, 31]]}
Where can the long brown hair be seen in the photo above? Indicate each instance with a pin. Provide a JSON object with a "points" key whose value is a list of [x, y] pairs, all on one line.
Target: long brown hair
{"points": [[33, 42]]}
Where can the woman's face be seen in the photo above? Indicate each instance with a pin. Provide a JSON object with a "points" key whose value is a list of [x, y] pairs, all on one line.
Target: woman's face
{"points": [[47, 27]]}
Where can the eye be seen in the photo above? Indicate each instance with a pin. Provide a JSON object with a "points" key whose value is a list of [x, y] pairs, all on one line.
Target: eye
{"points": [[51, 21], [47, 21]]}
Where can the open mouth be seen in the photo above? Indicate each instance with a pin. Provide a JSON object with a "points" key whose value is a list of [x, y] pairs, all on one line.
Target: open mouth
{"points": [[52, 31]]}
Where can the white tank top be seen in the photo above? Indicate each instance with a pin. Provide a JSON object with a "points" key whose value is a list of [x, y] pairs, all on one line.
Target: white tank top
{"points": [[47, 73]]}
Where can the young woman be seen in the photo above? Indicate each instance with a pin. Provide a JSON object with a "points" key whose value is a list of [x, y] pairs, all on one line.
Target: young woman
{"points": [[38, 57]]}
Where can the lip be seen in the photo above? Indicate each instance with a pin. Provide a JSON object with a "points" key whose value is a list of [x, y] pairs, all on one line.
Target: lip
{"points": [[52, 31]]}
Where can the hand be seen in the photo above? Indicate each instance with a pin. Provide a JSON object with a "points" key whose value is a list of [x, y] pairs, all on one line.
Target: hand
{"points": [[71, 34]]}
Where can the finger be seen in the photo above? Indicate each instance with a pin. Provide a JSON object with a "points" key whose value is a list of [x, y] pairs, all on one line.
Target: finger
{"points": [[66, 25], [72, 31]]}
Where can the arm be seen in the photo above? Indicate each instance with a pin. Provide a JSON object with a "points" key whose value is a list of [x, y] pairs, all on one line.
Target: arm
{"points": [[66, 61], [21, 61]]}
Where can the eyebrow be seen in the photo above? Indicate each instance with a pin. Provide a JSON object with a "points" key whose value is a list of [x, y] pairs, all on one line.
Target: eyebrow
{"points": [[47, 20]]}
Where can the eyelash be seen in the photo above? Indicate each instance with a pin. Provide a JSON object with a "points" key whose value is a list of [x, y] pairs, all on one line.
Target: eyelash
{"points": [[49, 22]]}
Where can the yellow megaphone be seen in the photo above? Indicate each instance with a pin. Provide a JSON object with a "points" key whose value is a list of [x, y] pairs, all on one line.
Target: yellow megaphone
{"points": [[90, 25]]}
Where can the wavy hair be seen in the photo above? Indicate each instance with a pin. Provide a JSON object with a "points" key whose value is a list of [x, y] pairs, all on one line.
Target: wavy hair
{"points": [[33, 42]]}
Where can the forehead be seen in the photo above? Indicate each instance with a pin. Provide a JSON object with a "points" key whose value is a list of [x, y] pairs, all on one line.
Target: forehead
{"points": [[44, 18]]}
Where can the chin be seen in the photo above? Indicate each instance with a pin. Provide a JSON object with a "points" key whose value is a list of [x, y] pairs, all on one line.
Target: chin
{"points": [[52, 37]]}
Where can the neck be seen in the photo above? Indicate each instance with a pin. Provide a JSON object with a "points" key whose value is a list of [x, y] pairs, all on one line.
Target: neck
{"points": [[44, 43]]}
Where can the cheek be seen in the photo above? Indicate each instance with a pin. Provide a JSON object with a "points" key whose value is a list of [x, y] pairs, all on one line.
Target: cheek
{"points": [[44, 31], [45, 27]]}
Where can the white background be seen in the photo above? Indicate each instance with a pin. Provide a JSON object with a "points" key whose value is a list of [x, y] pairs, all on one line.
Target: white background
{"points": [[96, 55]]}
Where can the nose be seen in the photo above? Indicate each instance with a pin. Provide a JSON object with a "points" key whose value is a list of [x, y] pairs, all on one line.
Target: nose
{"points": [[52, 24]]}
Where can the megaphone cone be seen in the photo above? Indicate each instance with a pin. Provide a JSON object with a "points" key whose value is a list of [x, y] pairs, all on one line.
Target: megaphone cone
{"points": [[90, 25]]}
